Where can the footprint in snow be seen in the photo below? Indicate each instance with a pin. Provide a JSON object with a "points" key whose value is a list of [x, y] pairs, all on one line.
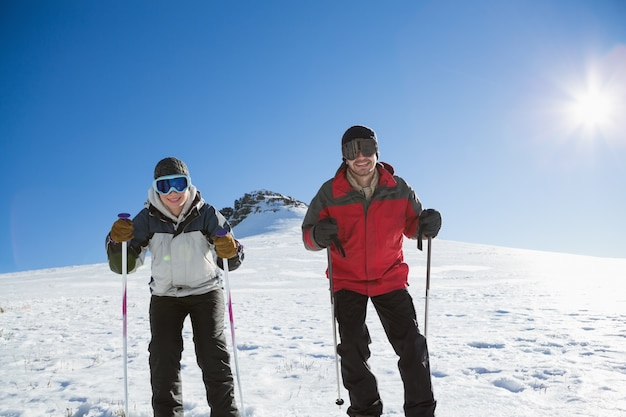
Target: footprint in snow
{"points": [[509, 385]]}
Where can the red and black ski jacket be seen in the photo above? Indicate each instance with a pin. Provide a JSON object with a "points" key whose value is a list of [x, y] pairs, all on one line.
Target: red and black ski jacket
{"points": [[371, 232]]}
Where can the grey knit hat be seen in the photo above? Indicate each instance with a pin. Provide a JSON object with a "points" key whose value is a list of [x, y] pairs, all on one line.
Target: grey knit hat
{"points": [[170, 166]]}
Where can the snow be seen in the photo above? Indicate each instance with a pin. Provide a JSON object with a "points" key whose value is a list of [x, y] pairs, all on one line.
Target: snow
{"points": [[511, 333]]}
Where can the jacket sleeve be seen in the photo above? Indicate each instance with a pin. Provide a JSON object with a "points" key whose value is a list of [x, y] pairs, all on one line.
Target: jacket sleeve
{"points": [[114, 254], [135, 248], [413, 210], [317, 210]]}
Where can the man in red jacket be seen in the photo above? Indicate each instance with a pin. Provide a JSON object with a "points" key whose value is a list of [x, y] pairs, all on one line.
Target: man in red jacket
{"points": [[362, 215]]}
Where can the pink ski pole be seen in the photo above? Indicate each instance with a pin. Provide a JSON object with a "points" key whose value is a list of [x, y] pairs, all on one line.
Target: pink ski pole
{"points": [[232, 322], [125, 343]]}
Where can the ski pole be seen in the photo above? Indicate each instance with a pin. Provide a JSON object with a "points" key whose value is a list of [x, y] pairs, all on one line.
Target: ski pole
{"points": [[124, 216], [339, 401], [430, 240], [232, 321]]}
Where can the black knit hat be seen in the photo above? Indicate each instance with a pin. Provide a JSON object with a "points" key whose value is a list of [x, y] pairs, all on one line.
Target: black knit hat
{"points": [[170, 166], [358, 132]]}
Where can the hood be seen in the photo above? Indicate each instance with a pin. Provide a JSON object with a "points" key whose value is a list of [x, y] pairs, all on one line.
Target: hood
{"points": [[194, 200]]}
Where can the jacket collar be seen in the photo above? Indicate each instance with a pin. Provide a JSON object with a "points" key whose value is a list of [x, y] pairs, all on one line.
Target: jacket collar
{"points": [[157, 208], [341, 186]]}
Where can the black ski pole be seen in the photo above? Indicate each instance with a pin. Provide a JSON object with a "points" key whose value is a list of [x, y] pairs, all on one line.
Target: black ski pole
{"points": [[430, 240]]}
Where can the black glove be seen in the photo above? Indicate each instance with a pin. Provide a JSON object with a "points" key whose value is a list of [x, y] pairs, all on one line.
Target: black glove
{"points": [[429, 223], [325, 232]]}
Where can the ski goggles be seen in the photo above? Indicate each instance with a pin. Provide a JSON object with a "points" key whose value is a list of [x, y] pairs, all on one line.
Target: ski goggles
{"points": [[350, 150], [168, 183]]}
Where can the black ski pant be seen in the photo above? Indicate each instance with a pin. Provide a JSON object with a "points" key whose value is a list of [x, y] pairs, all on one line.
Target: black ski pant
{"points": [[397, 315], [167, 315]]}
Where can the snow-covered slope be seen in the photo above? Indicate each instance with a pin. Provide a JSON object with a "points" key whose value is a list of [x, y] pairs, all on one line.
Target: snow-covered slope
{"points": [[511, 333]]}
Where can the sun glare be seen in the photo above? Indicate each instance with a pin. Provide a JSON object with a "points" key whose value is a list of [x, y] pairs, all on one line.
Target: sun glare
{"points": [[596, 103], [592, 109]]}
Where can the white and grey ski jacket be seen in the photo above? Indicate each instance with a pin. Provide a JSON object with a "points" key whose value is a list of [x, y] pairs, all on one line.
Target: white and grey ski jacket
{"points": [[182, 251]]}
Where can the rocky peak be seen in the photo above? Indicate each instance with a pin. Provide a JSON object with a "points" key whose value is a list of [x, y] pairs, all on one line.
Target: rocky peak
{"points": [[258, 202]]}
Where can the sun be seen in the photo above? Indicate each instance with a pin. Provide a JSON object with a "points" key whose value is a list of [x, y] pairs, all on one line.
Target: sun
{"points": [[592, 109], [595, 105], [583, 111]]}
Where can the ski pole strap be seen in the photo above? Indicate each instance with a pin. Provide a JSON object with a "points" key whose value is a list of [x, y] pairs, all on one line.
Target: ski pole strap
{"points": [[338, 245], [420, 236]]}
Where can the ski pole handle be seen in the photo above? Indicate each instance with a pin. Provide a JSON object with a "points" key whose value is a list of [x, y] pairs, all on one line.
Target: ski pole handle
{"points": [[124, 216], [222, 233]]}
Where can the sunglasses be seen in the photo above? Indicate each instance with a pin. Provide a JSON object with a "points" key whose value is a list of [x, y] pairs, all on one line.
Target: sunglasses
{"points": [[350, 150], [168, 183]]}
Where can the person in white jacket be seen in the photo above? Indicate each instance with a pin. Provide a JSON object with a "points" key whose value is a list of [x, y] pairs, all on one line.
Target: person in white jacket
{"points": [[187, 239]]}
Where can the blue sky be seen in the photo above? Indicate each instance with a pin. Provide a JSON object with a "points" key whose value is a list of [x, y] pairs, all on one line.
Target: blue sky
{"points": [[472, 103]]}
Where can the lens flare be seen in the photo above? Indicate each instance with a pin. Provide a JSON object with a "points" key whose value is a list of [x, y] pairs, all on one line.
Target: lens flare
{"points": [[596, 105], [592, 109]]}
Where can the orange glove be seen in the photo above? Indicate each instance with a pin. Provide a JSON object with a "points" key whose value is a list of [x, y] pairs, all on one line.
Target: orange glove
{"points": [[225, 246], [122, 230]]}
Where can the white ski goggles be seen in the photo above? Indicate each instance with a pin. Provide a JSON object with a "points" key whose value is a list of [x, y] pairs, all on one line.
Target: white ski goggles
{"points": [[168, 183]]}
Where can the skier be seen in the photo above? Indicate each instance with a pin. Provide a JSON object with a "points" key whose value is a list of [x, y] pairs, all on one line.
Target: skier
{"points": [[362, 215], [180, 230]]}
